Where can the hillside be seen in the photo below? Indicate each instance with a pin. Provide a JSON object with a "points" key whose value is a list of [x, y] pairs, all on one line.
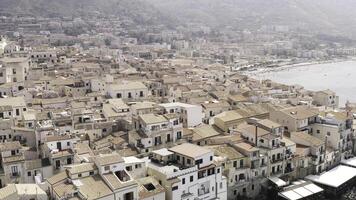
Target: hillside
{"points": [[334, 16], [137, 10]]}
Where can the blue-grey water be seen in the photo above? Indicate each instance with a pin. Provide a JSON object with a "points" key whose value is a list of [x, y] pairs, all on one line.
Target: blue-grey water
{"points": [[339, 77]]}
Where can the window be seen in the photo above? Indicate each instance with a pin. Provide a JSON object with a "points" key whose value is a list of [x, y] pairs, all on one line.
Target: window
{"points": [[1, 74], [328, 133], [79, 175], [29, 173], [129, 95], [138, 166], [197, 162], [241, 163], [68, 143], [13, 152], [17, 111], [141, 93], [14, 71], [183, 181], [191, 178], [106, 168], [91, 173], [24, 109], [188, 161], [179, 135], [118, 95], [235, 164], [253, 187], [14, 170], [174, 188], [211, 158], [129, 168], [318, 131], [218, 170]]}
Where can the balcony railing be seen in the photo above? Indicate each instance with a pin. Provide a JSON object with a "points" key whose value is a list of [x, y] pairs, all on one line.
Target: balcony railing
{"points": [[288, 169], [182, 172], [276, 160], [15, 174], [203, 192]]}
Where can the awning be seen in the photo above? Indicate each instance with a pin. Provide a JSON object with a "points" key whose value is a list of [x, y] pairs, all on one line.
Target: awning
{"points": [[334, 177], [301, 191], [279, 182]]}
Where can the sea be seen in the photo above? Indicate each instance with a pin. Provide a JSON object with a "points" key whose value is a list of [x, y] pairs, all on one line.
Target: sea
{"points": [[339, 77]]}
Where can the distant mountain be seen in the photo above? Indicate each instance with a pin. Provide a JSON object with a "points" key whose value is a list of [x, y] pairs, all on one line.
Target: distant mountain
{"points": [[334, 16], [137, 10]]}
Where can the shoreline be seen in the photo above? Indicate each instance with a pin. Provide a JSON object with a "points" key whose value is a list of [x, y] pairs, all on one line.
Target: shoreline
{"points": [[344, 96], [264, 70]]}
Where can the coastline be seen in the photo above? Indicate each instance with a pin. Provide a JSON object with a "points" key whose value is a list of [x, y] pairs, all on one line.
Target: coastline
{"points": [[263, 70]]}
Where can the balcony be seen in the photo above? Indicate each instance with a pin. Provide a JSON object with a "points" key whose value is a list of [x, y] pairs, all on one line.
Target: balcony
{"points": [[255, 164], [316, 160], [276, 173], [288, 170], [276, 160], [182, 172], [242, 182], [186, 195], [15, 174], [203, 191]]}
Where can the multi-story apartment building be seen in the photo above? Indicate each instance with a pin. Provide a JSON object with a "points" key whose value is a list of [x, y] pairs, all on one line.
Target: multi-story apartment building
{"points": [[12, 163], [128, 90], [59, 150], [153, 131], [257, 163], [105, 178], [316, 149], [14, 107], [326, 98], [187, 171], [336, 129], [189, 115], [237, 168], [294, 118], [14, 69]]}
